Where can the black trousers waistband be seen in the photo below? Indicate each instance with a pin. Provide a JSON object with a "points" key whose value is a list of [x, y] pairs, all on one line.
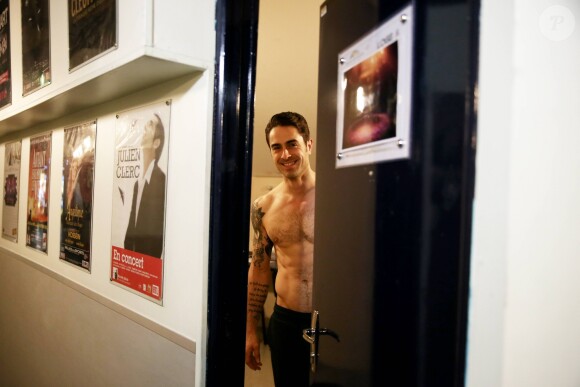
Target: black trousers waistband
{"points": [[292, 315]]}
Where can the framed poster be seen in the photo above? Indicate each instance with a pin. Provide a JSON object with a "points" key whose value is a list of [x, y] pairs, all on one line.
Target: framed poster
{"points": [[12, 152], [35, 45], [92, 30], [77, 194], [374, 94], [38, 192], [5, 66], [138, 220]]}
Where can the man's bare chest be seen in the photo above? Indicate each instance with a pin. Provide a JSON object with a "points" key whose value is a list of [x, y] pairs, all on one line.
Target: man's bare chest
{"points": [[290, 223]]}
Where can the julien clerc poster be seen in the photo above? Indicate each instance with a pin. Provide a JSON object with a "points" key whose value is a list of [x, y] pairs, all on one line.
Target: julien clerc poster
{"points": [[138, 226]]}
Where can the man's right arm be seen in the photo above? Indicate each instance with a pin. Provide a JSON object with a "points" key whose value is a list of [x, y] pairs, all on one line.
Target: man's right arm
{"points": [[259, 278]]}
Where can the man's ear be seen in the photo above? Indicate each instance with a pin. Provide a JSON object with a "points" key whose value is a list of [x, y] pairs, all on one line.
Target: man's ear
{"points": [[309, 146], [156, 143]]}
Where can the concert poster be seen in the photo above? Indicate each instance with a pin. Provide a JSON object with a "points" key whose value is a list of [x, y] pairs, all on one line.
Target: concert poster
{"points": [[77, 196], [5, 67], [35, 45], [139, 186], [12, 153], [38, 192], [92, 30]]}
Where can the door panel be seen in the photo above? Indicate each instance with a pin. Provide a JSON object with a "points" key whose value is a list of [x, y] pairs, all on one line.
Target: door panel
{"points": [[344, 230], [391, 251]]}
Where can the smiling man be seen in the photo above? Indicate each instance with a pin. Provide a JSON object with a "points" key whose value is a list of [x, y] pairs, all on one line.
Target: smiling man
{"points": [[283, 220]]}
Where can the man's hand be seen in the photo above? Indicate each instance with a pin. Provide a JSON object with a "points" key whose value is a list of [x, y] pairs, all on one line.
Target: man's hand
{"points": [[253, 352]]}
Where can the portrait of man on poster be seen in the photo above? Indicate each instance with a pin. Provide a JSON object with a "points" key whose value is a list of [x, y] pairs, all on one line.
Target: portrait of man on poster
{"points": [[146, 222]]}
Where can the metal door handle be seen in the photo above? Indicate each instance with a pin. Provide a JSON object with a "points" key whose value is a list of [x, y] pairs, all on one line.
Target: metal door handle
{"points": [[312, 334], [309, 335]]}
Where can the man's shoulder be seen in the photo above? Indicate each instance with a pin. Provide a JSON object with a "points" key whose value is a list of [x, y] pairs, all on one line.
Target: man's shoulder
{"points": [[158, 173], [265, 201]]}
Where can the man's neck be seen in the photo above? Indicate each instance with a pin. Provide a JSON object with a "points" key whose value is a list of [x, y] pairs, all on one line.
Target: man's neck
{"points": [[146, 176], [301, 184]]}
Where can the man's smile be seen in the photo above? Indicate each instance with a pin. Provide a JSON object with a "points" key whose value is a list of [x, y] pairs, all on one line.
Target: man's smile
{"points": [[288, 163]]}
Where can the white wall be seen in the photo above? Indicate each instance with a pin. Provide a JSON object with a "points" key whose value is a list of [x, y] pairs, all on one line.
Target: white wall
{"points": [[525, 293], [187, 212], [188, 37]]}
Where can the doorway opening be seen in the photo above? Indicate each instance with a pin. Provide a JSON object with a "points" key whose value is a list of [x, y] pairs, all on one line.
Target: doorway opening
{"points": [[429, 299], [286, 80]]}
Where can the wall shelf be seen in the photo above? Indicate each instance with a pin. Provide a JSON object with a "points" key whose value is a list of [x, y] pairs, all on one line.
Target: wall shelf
{"points": [[139, 73]]}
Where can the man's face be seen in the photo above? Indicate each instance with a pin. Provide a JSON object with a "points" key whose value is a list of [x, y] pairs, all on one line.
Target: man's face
{"points": [[289, 151], [148, 134]]}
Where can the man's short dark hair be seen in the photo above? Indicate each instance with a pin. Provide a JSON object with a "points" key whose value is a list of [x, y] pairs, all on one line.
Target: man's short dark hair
{"points": [[159, 134], [288, 119]]}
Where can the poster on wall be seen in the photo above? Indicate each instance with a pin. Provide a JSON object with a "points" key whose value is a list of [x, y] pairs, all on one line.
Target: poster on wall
{"points": [[38, 193], [35, 45], [92, 30], [12, 152], [77, 194], [374, 95], [138, 220], [5, 67]]}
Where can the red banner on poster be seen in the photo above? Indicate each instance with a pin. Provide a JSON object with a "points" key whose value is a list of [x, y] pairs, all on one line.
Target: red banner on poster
{"points": [[140, 272]]}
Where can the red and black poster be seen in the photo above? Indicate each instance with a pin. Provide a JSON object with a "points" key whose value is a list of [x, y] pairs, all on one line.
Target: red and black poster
{"points": [[5, 67], [77, 196], [35, 45], [12, 152], [92, 30], [38, 193], [138, 221]]}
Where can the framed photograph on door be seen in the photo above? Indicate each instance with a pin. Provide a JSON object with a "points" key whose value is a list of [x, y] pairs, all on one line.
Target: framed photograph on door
{"points": [[374, 94]]}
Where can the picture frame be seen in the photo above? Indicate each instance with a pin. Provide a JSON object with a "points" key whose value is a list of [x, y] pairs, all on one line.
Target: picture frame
{"points": [[374, 94]]}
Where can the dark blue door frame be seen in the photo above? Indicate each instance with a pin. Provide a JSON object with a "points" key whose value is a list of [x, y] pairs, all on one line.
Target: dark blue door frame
{"points": [[235, 68]]}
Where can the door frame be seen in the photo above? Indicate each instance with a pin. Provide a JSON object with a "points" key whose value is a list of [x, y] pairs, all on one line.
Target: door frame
{"points": [[231, 170]]}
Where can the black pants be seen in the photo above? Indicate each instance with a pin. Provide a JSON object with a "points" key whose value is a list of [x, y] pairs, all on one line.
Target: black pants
{"points": [[290, 352]]}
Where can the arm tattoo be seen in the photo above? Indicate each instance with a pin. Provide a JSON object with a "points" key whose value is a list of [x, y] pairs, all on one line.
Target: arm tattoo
{"points": [[256, 297], [262, 243]]}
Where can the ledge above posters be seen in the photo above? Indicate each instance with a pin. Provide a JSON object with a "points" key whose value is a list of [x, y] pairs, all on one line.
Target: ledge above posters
{"points": [[374, 94]]}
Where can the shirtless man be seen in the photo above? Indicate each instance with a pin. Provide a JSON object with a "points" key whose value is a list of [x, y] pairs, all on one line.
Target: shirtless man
{"points": [[283, 219]]}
